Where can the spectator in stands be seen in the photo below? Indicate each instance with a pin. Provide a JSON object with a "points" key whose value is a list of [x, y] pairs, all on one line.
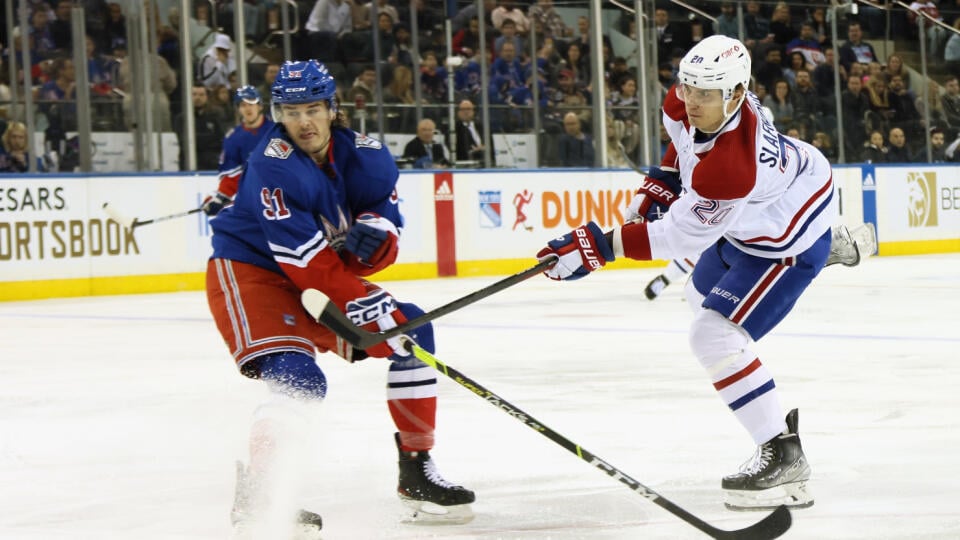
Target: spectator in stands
{"points": [[780, 25], [507, 11], [951, 51], [98, 69], [328, 20], [756, 27], [40, 39], [905, 113], [163, 84], [670, 35], [808, 107], [623, 105], [115, 27], [578, 65], [583, 37], [58, 97], [898, 151], [951, 101], [542, 12], [936, 114], [269, 75], [426, 152], [61, 28], [795, 62], [402, 53], [462, 18], [881, 110], [366, 14], [770, 70], [895, 66], [14, 155], [874, 151], [217, 63], [821, 28], [806, 43], [219, 102], [726, 23], [470, 145], [508, 33], [855, 103], [780, 104], [935, 33], [576, 147], [856, 49], [507, 66], [467, 81], [208, 131], [571, 97], [615, 157], [433, 79], [824, 76], [821, 141], [938, 147], [466, 42], [403, 117]]}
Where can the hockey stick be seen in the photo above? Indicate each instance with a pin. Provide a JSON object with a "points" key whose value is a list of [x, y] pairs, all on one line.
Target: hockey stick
{"points": [[133, 222], [333, 318], [772, 526]]}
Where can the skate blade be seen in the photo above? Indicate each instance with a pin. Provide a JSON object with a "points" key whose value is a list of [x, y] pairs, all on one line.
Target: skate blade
{"points": [[793, 495], [428, 513]]}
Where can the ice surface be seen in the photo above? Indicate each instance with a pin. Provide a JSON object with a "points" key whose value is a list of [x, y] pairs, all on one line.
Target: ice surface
{"points": [[121, 417]]}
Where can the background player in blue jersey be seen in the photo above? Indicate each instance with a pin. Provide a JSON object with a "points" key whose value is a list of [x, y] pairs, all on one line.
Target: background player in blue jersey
{"points": [[237, 145], [317, 208]]}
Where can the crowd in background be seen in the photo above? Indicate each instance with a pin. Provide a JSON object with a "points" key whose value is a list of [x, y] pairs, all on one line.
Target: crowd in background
{"points": [[538, 62]]}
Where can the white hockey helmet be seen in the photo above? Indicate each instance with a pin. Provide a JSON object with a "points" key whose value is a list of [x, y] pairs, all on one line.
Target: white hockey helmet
{"points": [[718, 62]]}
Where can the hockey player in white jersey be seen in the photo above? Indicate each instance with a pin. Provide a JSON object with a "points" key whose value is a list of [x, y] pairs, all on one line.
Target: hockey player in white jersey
{"points": [[759, 207]]}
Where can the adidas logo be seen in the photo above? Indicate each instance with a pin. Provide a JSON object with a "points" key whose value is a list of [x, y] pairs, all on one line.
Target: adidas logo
{"points": [[443, 193]]}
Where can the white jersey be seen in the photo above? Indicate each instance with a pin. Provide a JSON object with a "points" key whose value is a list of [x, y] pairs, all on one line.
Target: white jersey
{"points": [[768, 194]]}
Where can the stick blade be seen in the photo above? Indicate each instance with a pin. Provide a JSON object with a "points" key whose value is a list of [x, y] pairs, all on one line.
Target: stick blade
{"points": [[116, 215], [325, 312], [772, 526]]}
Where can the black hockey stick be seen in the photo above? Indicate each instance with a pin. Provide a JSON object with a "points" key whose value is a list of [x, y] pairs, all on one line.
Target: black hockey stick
{"points": [[333, 318], [772, 526], [133, 222]]}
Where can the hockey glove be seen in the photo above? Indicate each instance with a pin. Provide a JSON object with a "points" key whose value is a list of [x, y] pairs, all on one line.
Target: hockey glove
{"points": [[375, 312], [660, 188], [214, 203], [580, 252], [372, 241]]}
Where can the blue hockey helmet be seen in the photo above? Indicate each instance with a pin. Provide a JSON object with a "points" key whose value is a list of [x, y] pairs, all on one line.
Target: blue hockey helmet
{"points": [[248, 94], [304, 82]]}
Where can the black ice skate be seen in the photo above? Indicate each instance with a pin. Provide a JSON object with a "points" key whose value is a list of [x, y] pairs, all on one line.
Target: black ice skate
{"points": [[656, 286], [433, 499], [777, 474], [247, 514]]}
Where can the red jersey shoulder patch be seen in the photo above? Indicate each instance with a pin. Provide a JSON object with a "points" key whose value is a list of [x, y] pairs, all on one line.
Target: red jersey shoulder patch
{"points": [[729, 170]]}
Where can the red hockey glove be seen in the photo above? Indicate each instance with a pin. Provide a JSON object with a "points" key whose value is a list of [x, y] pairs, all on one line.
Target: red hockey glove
{"points": [[372, 241], [660, 188], [214, 203], [580, 252], [375, 312]]}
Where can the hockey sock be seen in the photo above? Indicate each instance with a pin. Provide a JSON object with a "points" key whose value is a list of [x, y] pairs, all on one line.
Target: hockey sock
{"points": [[412, 399], [677, 269]]}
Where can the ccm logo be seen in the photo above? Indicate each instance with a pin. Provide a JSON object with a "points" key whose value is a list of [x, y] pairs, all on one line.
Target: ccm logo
{"points": [[587, 249]]}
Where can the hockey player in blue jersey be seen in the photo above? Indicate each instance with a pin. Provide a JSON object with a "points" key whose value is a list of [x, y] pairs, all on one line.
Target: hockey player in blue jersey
{"points": [[317, 208], [237, 145]]}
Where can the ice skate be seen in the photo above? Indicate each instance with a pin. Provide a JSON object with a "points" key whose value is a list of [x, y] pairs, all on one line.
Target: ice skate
{"points": [[843, 249], [432, 499], [656, 286], [249, 522], [777, 474]]}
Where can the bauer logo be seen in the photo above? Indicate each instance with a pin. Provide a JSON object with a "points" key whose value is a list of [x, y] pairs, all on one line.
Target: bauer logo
{"points": [[921, 199], [490, 217]]}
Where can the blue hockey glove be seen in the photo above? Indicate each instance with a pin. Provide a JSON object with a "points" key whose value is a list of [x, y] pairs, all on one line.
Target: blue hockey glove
{"points": [[373, 242], [214, 203], [580, 252]]}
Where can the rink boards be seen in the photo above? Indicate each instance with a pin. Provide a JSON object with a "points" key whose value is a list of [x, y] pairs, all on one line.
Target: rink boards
{"points": [[55, 240]]}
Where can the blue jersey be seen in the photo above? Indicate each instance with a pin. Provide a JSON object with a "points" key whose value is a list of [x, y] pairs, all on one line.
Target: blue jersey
{"points": [[237, 145], [291, 216]]}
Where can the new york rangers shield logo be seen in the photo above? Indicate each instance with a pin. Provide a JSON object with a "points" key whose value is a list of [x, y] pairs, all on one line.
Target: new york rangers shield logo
{"points": [[490, 209], [278, 148]]}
